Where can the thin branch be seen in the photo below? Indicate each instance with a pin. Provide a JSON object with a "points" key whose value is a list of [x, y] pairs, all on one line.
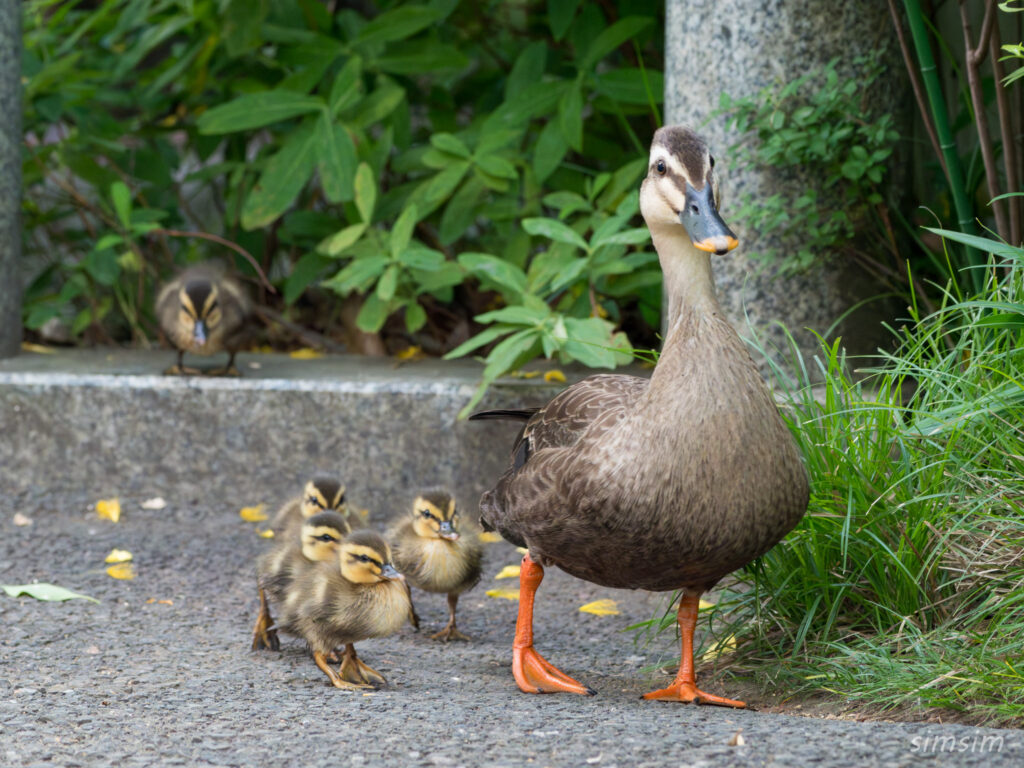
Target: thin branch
{"points": [[226, 243], [1010, 148], [986, 28]]}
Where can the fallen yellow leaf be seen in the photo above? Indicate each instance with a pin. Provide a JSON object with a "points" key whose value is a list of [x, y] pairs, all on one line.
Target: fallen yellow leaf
{"points": [[604, 607], [725, 646], [704, 605], [490, 536], [266, 534], [125, 571], [363, 513], [524, 374], [262, 349], [306, 353], [28, 346], [504, 594], [522, 550], [410, 353], [555, 375], [21, 520], [109, 509], [118, 556], [508, 572], [161, 602], [253, 514]]}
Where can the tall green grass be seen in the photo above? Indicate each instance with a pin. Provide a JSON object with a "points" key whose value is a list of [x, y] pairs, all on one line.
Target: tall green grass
{"points": [[903, 587]]}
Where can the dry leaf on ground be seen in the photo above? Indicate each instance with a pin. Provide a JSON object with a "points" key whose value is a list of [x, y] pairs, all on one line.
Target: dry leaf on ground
{"points": [[266, 534], [410, 353], [554, 376], [123, 571], [155, 503], [704, 605], [508, 572], [603, 607], [44, 591], [21, 520], [503, 594], [737, 739], [306, 353], [490, 537], [253, 514], [118, 556], [109, 509], [725, 646]]}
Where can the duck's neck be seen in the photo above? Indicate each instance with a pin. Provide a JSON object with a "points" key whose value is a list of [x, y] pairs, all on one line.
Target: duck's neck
{"points": [[689, 284]]}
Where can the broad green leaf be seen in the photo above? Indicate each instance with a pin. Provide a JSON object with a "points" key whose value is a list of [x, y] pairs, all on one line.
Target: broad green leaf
{"points": [[560, 15], [555, 230], [365, 192], [590, 342], [984, 244], [492, 271], [418, 256], [121, 196], [438, 278], [461, 210], [255, 110], [398, 24], [345, 90], [359, 275], [511, 353], [483, 338], [497, 166], [44, 591], [612, 38], [401, 232], [422, 57], [626, 237], [102, 266], [550, 150], [514, 315], [373, 313], [567, 203], [527, 70], [378, 105], [570, 116], [451, 144], [631, 86], [388, 283], [415, 317], [304, 272], [283, 177], [337, 243], [337, 160]]}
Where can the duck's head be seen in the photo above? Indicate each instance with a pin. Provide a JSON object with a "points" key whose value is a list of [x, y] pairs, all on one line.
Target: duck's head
{"points": [[435, 516], [323, 494], [366, 558], [199, 313], [681, 190], [322, 534]]}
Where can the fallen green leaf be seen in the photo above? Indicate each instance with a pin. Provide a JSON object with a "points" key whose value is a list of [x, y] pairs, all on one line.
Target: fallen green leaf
{"points": [[43, 591]]}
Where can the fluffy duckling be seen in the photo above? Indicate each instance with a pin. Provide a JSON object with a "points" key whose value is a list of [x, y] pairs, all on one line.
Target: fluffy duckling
{"points": [[353, 598], [203, 311], [434, 557], [318, 542], [320, 494]]}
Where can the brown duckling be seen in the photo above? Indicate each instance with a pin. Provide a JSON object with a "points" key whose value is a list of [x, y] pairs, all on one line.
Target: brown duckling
{"points": [[352, 598], [319, 540], [433, 555], [203, 311], [320, 494], [663, 484]]}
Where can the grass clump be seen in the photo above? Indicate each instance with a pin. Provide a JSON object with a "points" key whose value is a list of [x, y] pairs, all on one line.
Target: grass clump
{"points": [[903, 586]]}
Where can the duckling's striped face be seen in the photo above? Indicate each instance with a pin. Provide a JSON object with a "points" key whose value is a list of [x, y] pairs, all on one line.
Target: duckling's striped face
{"points": [[321, 542], [681, 189], [435, 517], [322, 494], [366, 564], [199, 311]]}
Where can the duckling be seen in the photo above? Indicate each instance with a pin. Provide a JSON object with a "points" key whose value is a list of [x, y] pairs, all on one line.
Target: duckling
{"points": [[204, 312], [352, 598], [433, 556], [320, 493], [319, 540], [662, 484]]}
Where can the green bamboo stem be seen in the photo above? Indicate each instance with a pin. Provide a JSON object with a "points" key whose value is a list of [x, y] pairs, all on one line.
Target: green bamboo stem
{"points": [[937, 103]]}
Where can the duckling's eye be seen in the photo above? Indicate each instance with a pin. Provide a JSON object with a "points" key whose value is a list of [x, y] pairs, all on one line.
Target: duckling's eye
{"points": [[660, 167], [712, 160], [326, 537], [426, 513], [315, 502]]}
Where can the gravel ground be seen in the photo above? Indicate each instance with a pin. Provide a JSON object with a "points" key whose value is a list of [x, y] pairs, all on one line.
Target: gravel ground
{"points": [[136, 681]]}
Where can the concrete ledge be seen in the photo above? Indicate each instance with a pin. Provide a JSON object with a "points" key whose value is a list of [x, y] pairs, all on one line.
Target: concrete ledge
{"points": [[108, 423]]}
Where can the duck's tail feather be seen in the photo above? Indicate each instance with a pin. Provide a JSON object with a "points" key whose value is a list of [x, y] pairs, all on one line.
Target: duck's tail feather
{"points": [[505, 414]]}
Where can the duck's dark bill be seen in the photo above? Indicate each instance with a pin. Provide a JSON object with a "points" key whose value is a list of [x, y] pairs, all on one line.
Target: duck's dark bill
{"points": [[705, 227]]}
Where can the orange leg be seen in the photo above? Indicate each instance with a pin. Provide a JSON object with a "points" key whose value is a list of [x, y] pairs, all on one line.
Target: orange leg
{"points": [[684, 687], [532, 672]]}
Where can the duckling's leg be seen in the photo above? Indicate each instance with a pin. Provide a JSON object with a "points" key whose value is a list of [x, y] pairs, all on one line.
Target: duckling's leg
{"points": [[335, 678], [414, 617], [352, 668], [180, 369], [263, 634], [684, 687], [450, 632], [532, 672], [227, 370]]}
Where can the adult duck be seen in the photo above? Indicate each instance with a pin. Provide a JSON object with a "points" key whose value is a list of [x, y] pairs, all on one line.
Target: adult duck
{"points": [[662, 484]]}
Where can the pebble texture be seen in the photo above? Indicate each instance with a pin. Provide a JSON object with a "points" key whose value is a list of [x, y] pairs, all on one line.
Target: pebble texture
{"points": [[10, 177], [159, 672], [739, 47]]}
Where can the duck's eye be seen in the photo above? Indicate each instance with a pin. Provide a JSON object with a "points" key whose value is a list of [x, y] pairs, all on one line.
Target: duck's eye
{"points": [[325, 537], [660, 167], [314, 501], [426, 513], [712, 161], [364, 558]]}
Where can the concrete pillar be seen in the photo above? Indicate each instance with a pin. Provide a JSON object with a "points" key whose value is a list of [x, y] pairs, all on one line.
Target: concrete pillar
{"points": [[10, 177], [740, 47]]}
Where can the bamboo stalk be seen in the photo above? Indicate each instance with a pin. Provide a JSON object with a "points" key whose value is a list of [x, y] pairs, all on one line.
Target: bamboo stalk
{"points": [[1015, 204], [937, 102]]}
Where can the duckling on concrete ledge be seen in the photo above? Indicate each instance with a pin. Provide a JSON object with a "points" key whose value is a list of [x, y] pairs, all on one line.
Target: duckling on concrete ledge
{"points": [[204, 312], [433, 555], [319, 541], [662, 484], [357, 596], [320, 494]]}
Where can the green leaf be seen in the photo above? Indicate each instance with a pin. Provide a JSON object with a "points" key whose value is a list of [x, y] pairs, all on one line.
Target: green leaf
{"points": [[283, 177], [555, 230], [345, 90], [255, 110], [626, 237], [121, 196], [497, 166], [388, 283], [304, 272], [550, 150], [612, 37], [527, 70], [398, 24], [336, 244], [365, 192], [378, 105], [590, 342], [451, 144], [373, 313], [984, 244], [628, 86], [44, 591], [418, 256], [102, 266], [461, 210], [570, 116], [560, 16], [359, 275], [337, 161], [421, 57], [494, 272], [401, 232], [512, 352], [483, 338], [520, 315], [415, 317]]}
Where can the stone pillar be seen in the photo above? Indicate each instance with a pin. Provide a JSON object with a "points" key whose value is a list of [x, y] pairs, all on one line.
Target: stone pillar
{"points": [[10, 177], [740, 47]]}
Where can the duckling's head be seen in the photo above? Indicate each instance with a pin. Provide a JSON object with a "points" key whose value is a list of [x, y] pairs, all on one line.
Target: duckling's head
{"points": [[322, 534], [323, 493], [681, 190], [434, 515], [366, 558], [199, 312]]}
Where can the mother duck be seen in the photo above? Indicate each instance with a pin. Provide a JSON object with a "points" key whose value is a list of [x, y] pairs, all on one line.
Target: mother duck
{"points": [[662, 484]]}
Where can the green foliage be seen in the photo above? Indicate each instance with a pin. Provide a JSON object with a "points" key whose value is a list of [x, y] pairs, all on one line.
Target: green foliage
{"points": [[819, 128], [391, 153], [46, 592]]}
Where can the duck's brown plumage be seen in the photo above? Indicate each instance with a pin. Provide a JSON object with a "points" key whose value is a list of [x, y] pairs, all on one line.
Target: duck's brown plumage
{"points": [[228, 334]]}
